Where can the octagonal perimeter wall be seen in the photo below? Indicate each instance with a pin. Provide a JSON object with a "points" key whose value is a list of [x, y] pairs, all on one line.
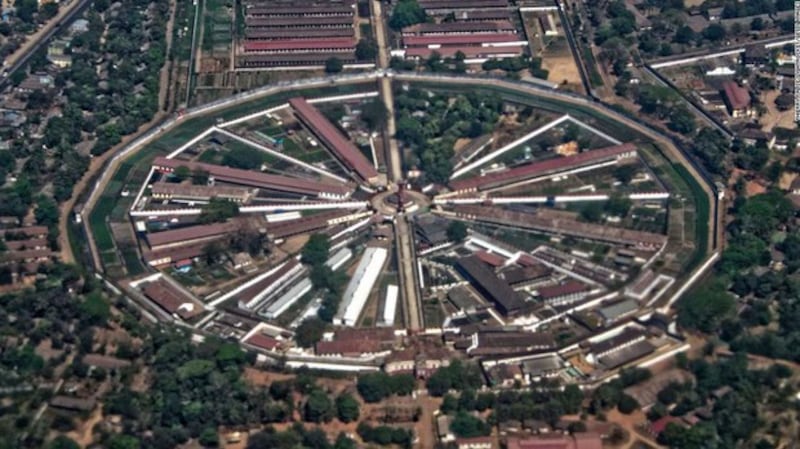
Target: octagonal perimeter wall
{"points": [[121, 170]]}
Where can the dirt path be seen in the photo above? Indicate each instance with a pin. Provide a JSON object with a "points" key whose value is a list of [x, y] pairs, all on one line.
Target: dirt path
{"points": [[98, 163], [424, 428]]}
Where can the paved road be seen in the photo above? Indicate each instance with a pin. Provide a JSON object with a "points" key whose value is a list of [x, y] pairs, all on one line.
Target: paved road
{"points": [[406, 262], [408, 274], [35, 41]]}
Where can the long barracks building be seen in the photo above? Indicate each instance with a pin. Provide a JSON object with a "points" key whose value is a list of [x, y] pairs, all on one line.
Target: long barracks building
{"points": [[347, 153], [550, 167], [259, 180]]}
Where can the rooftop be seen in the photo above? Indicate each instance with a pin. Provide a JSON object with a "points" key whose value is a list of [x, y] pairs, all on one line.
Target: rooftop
{"points": [[738, 97], [330, 43], [490, 285], [334, 139], [567, 288], [459, 40], [172, 299], [257, 179], [541, 168], [189, 234]]}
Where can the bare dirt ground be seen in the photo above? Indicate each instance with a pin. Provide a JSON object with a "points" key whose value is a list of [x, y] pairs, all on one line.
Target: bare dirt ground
{"points": [[293, 245], [261, 378], [631, 423], [773, 117], [424, 428], [561, 68], [83, 434]]}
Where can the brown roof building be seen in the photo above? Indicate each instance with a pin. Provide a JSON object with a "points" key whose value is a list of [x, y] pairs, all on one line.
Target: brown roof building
{"points": [[73, 403], [292, 59], [189, 192], [494, 289], [301, 10], [105, 361], [334, 140], [548, 167], [565, 293], [172, 299], [552, 222], [258, 179], [189, 235], [445, 28], [737, 99], [348, 348]]}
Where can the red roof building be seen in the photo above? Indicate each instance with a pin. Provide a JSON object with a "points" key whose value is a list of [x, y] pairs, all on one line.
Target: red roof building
{"points": [[331, 45], [300, 10], [264, 342], [188, 235], [334, 140], [445, 28], [737, 99], [258, 179], [463, 40], [549, 167], [296, 33], [552, 222], [291, 59], [469, 52], [348, 348], [567, 292], [172, 299], [492, 259], [300, 22]]}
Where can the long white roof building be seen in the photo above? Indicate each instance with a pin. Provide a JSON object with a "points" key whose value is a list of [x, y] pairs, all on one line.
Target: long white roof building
{"points": [[357, 292]]}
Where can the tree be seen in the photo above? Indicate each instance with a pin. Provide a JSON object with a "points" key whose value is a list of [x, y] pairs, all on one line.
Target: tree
{"points": [[456, 231], [374, 114], [366, 50], [123, 442], [46, 212], [406, 13], [465, 425], [182, 172], [705, 308], [714, 32], [217, 211], [333, 65], [310, 331], [624, 173], [344, 442], [209, 437], [681, 120], [63, 442], [95, 310], [618, 206], [347, 408], [627, 404], [684, 35], [373, 387], [315, 251], [318, 407]]}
